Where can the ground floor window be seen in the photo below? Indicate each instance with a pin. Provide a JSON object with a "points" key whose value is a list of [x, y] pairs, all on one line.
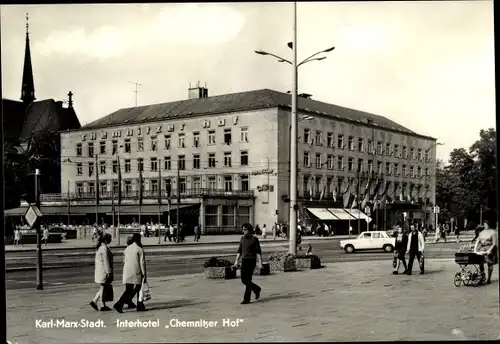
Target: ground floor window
{"points": [[79, 189], [243, 215], [228, 216], [211, 216]]}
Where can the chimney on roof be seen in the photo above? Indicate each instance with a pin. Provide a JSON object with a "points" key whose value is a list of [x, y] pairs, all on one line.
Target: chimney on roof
{"points": [[59, 104], [198, 91], [70, 99]]}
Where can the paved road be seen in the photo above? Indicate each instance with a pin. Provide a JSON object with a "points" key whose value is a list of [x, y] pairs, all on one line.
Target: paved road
{"points": [[161, 266]]}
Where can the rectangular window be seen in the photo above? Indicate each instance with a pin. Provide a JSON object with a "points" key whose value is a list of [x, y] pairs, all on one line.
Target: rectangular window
{"points": [[196, 183], [168, 186], [427, 172], [154, 164], [370, 166], [340, 163], [211, 160], [115, 187], [388, 168], [79, 169], [227, 159], [91, 186], [420, 174], [307, 159], [412, 172], [140, 144], [78, 149], [102, 146], [361, 147], [350, 164], [396, 170], [360, 165], [128, 148], [350, 143], [140, 164], [228, 183], [196, 139], [396, 151], [379, 167], [91, 149], [154, 143], [329, 161], [103, 187], [412, 153], [388, 149], [212, 183], [405, 171], [115, 166], [79, 189], [168, 141], [196, 161], [154, 185], [168, 163], [91, 168], [102, 167], [128, 187], [405, 153], [114, 147], [211, 137], [180, 141], [340, 141], [319, 138], [370, 146], [380, 148], [182, 185], [419, 154], [228, 216], [427, 158], [211, 216], [244, 158], [227, 136], [307, 136], [244, 135], [329, 140], [318, 160], [245, 184], [181, 163]]}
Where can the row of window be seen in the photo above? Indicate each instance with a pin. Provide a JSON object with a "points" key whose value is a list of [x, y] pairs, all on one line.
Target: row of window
{"points": [[389, 149], [361, 166], [154, 144], [167, 163], [166, 184]]}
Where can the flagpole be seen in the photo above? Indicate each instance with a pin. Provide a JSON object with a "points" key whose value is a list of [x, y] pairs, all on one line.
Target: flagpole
{"points": [[357, 200], [119, 198], [69, 207], [159, 201], [140, 192], [113, 207], [96, 190]]}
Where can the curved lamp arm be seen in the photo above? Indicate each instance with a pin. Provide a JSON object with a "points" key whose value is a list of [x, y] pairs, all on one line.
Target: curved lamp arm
{"points": [[315, 54], [280, 59]]}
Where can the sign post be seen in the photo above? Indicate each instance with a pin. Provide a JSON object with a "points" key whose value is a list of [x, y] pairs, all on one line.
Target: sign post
{"points": [[32, 217]]}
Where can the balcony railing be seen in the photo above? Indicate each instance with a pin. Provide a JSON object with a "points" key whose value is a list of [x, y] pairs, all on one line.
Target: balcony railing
{"points": [[147, 194]]}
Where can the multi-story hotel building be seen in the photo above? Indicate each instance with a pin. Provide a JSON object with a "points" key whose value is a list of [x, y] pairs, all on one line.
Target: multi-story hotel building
{"points": [[229, 156]]}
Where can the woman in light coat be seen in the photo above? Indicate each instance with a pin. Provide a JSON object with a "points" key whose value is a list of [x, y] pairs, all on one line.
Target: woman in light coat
{"points": [[103, 274], [134, 274]]}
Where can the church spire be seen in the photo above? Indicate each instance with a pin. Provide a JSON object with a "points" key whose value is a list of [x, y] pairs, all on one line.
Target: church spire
{"points": [[28, 86]]}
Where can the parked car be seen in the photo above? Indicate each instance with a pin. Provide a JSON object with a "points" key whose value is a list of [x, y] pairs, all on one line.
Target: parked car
{"points": [[376, 240]]}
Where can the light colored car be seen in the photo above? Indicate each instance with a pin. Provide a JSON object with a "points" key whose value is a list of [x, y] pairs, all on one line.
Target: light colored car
{"points": [[376, 240]]}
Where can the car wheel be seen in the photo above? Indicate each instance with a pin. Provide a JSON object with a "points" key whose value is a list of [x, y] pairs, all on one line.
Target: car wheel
{"points": [[349, 249], [388, 248]]}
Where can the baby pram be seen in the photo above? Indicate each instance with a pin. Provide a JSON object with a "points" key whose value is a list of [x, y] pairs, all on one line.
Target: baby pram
{"points": [[470, 273]]}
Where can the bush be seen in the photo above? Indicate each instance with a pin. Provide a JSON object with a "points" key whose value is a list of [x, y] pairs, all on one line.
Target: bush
{"points": [[215, 262], [277, 256]]}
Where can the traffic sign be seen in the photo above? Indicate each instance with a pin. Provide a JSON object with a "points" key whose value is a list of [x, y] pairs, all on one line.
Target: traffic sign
{"points": [[32, 215]]}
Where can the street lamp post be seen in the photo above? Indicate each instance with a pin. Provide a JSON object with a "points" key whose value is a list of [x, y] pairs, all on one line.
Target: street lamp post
{"points": [[425, 179], [293, 129]]}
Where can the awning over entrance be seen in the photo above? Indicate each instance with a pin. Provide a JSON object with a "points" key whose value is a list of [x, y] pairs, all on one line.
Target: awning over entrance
{"points": [[322, 214], [147, 209], [341, 214], [358, 214]]}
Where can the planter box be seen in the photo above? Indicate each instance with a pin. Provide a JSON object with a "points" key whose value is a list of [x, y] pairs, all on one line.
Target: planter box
{"points": [[220, 272], [264, 270], [280, 265], [303, 263]]}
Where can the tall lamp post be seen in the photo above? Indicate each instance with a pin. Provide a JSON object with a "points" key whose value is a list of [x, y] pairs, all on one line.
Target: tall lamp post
{"points": [[293, 120], [425, 180]]}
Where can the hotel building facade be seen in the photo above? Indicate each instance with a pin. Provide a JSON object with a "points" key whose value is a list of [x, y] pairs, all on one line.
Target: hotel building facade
{"points": [[229, 158]]}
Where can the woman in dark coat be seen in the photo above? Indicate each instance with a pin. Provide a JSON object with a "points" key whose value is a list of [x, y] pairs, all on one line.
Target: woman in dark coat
{"points": [[400, 250], [251, 256]]}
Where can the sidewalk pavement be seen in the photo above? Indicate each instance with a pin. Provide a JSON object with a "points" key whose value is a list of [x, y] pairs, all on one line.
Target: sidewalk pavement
{"points": [[341, 302]]}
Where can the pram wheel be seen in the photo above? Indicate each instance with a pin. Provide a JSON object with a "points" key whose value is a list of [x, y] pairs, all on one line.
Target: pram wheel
{"points": [[477, 279], [467, 279], [458, 279]]}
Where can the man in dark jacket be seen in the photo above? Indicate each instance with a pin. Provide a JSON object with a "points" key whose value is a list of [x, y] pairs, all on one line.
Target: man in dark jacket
{"points": [[415, 248], [251, 257]]}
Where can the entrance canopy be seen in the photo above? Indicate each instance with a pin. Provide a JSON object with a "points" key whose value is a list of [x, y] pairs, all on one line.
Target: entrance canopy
{"points": [[359, 215], [341, 214], [322, 214]]}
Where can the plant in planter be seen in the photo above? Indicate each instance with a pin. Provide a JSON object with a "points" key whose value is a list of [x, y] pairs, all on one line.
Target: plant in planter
{"points": [[282, 261], [303, 262], [219, 268]]}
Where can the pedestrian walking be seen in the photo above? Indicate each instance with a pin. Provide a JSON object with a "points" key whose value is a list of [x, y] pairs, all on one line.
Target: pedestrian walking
{"points": [[486, 245], [46, 235], [415, 248], [103, 273], [275, 230], [437, 235], [134, 274], [196, 234], [251, 256], [457, 233], [478, 230], [264, 231], [17, 237], [400, 251]]}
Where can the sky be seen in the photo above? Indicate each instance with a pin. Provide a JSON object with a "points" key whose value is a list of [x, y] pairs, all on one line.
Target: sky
{"points": [[426, 65]]}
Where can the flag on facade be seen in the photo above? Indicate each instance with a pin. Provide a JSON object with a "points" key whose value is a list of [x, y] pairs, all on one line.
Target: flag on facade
{"points": [[323, 192], [401, 196], [377, 187], [376, 205], [365, 201], [354, 202], [335, 195], [310, 195], [383, 202], [386, 187], [346, 197], [119, 182], [140, 186]]}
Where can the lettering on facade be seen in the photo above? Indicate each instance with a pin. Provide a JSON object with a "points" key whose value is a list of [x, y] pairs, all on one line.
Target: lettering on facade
{"points": [[235, 120], [261, 172], [104, 135], [84, 137], [206, 123], [265, 187], [158, 129], [170, 127], [222, 122]]}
